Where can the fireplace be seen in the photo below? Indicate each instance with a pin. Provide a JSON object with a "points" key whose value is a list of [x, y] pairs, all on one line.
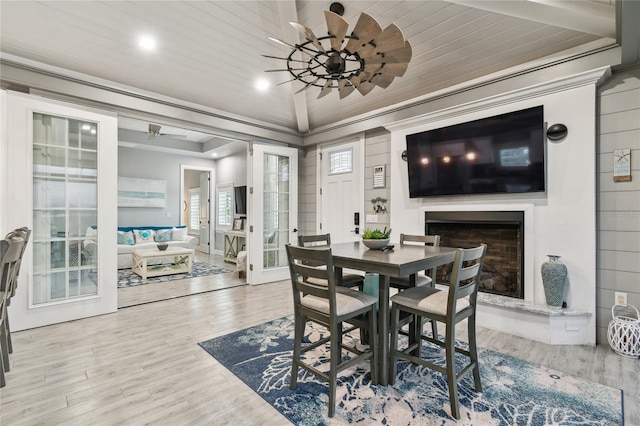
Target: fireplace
{"points": [[503, 233]]}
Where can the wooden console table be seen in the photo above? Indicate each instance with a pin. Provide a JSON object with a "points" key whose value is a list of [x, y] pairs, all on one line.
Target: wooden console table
{"points": [[232, 246]]}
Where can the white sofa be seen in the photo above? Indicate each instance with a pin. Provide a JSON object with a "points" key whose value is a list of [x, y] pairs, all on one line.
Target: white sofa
{"points": [[129, 240]]}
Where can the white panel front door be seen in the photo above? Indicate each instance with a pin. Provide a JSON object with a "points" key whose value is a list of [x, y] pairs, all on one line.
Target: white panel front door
{"points": [[342, 184], [63, 169], [273, 211]]}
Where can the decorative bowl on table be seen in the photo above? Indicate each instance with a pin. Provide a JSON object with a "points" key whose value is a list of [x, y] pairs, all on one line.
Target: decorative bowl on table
{"points": [[375, 244], [375, 239], [162, 246]]}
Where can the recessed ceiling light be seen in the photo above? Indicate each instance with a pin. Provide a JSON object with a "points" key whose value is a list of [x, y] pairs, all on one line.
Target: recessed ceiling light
{"points": [[214, 155], [146, 42], [262, 84]]}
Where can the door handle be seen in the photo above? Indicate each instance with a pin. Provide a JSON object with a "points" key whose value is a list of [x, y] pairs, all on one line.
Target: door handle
{"points": [[295, 229]]}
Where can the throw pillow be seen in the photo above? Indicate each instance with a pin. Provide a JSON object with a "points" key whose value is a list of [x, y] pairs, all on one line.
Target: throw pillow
{"points": [[163, 235], [143, 235], [179, 234], [126, 238]]}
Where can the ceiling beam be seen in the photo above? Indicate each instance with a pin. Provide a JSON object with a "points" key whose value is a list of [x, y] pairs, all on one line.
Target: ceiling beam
{"points": [[629, 31], [583, 16], [288, 13]]}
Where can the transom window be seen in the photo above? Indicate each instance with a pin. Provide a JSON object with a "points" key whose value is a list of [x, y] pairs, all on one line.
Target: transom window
{"points": [[341, 162]]}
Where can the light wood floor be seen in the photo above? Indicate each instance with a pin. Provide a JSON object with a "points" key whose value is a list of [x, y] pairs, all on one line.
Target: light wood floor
{"points": [[142, 365], [147, 293]]}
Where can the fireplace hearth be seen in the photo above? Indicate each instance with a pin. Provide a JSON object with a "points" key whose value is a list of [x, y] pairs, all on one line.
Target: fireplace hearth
{"points": [[502, 231]]}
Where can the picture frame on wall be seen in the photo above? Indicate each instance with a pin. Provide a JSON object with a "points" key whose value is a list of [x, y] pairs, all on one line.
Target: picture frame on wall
{"points": [[141, 192], [238, 224]]}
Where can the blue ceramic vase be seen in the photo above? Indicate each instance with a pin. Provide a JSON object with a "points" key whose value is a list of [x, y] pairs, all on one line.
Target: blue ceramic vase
{"points": [[554, 280]]}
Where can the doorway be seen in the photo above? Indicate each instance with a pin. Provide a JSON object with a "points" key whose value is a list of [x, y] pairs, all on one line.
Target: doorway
{"points": [[342, 195], [196, 199]]}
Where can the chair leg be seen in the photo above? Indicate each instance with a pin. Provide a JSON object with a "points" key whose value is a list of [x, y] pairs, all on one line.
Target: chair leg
{"points": [[298, 334], [473, 351], [4, 348], [450, 355], [373, 344], [393, 344], [434, 329], [6, 322], [336, 356]]}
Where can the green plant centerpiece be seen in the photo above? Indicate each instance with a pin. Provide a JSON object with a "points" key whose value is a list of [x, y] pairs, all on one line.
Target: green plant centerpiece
{"points": [[375, 238]]}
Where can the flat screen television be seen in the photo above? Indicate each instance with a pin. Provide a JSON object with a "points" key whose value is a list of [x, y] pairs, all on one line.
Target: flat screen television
{"points": [[240, 196], [500, 154]]}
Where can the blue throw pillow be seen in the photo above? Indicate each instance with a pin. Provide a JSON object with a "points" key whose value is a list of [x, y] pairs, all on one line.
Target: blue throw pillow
{"points": [[163, 235], [126, 238], [143, 235]]}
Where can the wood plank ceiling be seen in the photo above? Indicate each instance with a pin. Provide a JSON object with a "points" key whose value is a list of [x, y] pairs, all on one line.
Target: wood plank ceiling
{"points": [[210, 52]]}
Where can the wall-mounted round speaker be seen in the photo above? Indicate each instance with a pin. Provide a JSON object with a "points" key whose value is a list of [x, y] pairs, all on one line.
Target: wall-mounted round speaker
{"points": [[556, 132]]}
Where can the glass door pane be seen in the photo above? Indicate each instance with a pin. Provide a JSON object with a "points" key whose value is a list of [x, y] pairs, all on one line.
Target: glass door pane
{"points": [[275, 210], [64, 207]]}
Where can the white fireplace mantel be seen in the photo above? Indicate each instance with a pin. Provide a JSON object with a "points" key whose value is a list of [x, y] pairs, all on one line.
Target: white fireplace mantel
{"points": [[560, 221]]}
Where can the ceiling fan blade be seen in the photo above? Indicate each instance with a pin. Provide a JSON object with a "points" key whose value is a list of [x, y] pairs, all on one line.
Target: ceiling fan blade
{"points": [[397, 56], [292, 69], [382, 80], [336, 27], [366, 29], [308, 34], [307, 85], [372, 68], [284, 59], [365, 87], [390, 39], [284, 43], [396, 70], [345, 88], [328, 85], [154, 129]]}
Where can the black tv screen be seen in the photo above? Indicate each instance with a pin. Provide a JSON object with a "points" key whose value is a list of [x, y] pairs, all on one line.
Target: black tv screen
{"points": [[500, 154], [240, 195]]}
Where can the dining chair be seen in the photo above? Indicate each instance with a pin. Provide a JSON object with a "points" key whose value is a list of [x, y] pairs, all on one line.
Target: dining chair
{"points": [[330, 306], [10, 250], [415, 280], [324, 240], [449, 306], [24, 233]]}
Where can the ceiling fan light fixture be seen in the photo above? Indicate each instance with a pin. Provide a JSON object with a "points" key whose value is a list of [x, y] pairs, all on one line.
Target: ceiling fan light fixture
{"points": [[367, 57]]}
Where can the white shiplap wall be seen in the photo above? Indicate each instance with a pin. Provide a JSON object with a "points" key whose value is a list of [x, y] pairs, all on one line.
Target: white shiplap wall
{"points": [[618, 257], [377, 147]]}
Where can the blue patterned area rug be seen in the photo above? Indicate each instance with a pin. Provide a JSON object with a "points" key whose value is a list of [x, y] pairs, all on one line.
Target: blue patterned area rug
{"points": [[126, 277], [515, 392]]}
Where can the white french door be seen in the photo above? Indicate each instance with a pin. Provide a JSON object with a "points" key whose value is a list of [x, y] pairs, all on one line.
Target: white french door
{"points": [[342, 183], [63, 171], [273, 211]]}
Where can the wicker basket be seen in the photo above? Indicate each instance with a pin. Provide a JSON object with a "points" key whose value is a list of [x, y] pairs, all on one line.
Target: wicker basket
{"points": [[624, 333]]}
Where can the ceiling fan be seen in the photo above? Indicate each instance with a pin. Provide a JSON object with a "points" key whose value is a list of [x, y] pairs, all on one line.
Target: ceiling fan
{"points": [[154, 131], [367, 57]]}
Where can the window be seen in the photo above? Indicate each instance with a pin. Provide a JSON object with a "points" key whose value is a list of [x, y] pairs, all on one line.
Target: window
{"points": [[225, 206], [194, 209], [341, 162]]}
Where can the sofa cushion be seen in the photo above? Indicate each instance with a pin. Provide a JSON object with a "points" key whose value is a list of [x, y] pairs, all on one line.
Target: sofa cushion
{"points": [[92, 233], [143, 235], [163, 235], [126, 238], [125, 249], [179, 234]]}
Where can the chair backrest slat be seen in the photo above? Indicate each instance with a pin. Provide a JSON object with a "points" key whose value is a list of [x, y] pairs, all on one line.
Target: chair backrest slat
{"points": [[465, 276], [303, 264], [429, 240]]}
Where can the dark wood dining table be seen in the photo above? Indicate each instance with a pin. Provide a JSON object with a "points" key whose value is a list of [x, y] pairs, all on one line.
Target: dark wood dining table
{"points": [[403, 260]]}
